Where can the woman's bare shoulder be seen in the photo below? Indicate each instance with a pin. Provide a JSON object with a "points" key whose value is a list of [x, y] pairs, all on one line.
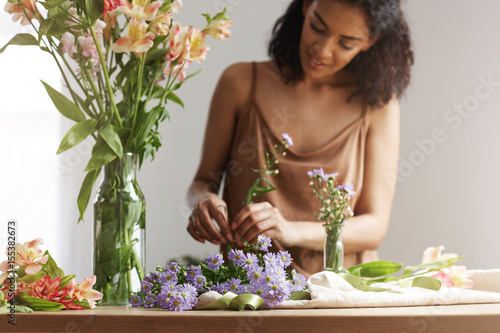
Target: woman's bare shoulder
{"points": [[236, 80], [383, 115]]}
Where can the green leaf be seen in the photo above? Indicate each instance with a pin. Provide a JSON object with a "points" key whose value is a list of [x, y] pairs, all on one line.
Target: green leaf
{"points": [[430, 266], [94, 10], [384, 279], [133, 213], [156, 54], [426, 282], [84, 303], [49, 4], [33, 277], [21, 272], [65, 280], [376, 268], [208, 17], [84, 105], [38, 304], [174, 98], [21, 39], [188, 77], [77, 134], [66, 107], [102, 154], [86, 190], [300, 295], [45, 26], [112, 138], [146, 125], [221, 15], [51, 267], [359, 283]]}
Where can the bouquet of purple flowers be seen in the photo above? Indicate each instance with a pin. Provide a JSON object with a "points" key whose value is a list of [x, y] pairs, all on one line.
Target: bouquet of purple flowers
{"points": [[254, 271]]}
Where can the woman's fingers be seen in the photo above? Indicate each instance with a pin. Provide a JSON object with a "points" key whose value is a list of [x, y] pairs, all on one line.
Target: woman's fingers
{"points": [[201, 222], [192, 231], [255, 221], [218, 213], [248, 211]]}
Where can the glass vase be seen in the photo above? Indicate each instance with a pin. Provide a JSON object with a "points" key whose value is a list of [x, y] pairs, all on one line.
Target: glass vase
{"points": [[119, 232], [334, 248]]}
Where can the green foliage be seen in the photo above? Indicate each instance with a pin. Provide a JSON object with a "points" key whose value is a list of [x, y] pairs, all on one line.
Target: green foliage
{"points": [[375, 269], [362, 276], [38, 304], [431, 266], [51, 268], [64, 105], [262, 185], [86, 190], [21, 39], [76, 134], [93, 10]]}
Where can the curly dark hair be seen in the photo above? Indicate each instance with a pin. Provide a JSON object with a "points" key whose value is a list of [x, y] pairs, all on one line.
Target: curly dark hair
{"points": [[381, 72]]}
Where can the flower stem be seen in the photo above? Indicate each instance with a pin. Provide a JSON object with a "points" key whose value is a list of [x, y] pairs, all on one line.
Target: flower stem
{"points": [[139, 90], [106, 77], [97, 95]]}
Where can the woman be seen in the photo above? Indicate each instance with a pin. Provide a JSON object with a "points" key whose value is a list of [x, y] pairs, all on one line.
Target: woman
{"points": [[337, 70]]}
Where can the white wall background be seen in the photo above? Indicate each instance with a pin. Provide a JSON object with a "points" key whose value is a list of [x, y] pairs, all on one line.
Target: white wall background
{"points": [[446, 193]]}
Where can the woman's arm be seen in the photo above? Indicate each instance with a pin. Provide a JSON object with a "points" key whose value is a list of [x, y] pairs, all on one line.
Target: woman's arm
{"points": [[229, 97], [367, 229]]}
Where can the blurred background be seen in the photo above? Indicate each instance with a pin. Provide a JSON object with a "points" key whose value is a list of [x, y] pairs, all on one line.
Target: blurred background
{"points": [[447, 188]]}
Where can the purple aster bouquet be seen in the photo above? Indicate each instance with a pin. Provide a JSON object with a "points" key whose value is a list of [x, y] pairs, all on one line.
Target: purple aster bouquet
{"points": [[334, 211], [333, 197], [253, 271]]}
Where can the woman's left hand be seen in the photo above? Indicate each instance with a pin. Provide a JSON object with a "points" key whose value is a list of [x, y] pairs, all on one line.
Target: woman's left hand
{"points": [[262, 218]]}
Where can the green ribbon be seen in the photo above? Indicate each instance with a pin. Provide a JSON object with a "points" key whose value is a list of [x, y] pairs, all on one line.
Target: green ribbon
{"points": [[236, 302], [17, 309]]}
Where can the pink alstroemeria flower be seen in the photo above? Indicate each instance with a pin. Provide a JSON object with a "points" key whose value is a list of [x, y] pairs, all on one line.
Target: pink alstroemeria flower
{"points": [[176, 5], [219, 29], [160, 24], [195, 41], [18, 13], [137, 41], [84, 290], [68, 43], [110, 21], [110, 5], [46, 288], [456, 276], [99, 27], [434, 254], [89, 49], [29, 256], [177, 46], [140, 9]]}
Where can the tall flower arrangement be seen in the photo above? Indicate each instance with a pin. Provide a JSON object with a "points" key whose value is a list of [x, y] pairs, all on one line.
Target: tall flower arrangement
{"points": [[121, 62]]}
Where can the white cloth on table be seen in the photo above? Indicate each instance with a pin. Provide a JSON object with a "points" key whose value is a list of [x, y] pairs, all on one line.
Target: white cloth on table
{"points": [[328, 290]]}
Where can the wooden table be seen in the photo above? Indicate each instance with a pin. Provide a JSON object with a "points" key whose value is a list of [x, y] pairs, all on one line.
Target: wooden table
{"points": [[475, 318]]}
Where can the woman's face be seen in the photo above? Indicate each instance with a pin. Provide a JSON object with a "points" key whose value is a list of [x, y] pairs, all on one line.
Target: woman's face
{"points": [[332, 35]]}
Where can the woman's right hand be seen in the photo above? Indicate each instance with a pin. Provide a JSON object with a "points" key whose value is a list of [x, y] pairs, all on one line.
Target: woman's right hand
{"points": [[201, 222]]}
